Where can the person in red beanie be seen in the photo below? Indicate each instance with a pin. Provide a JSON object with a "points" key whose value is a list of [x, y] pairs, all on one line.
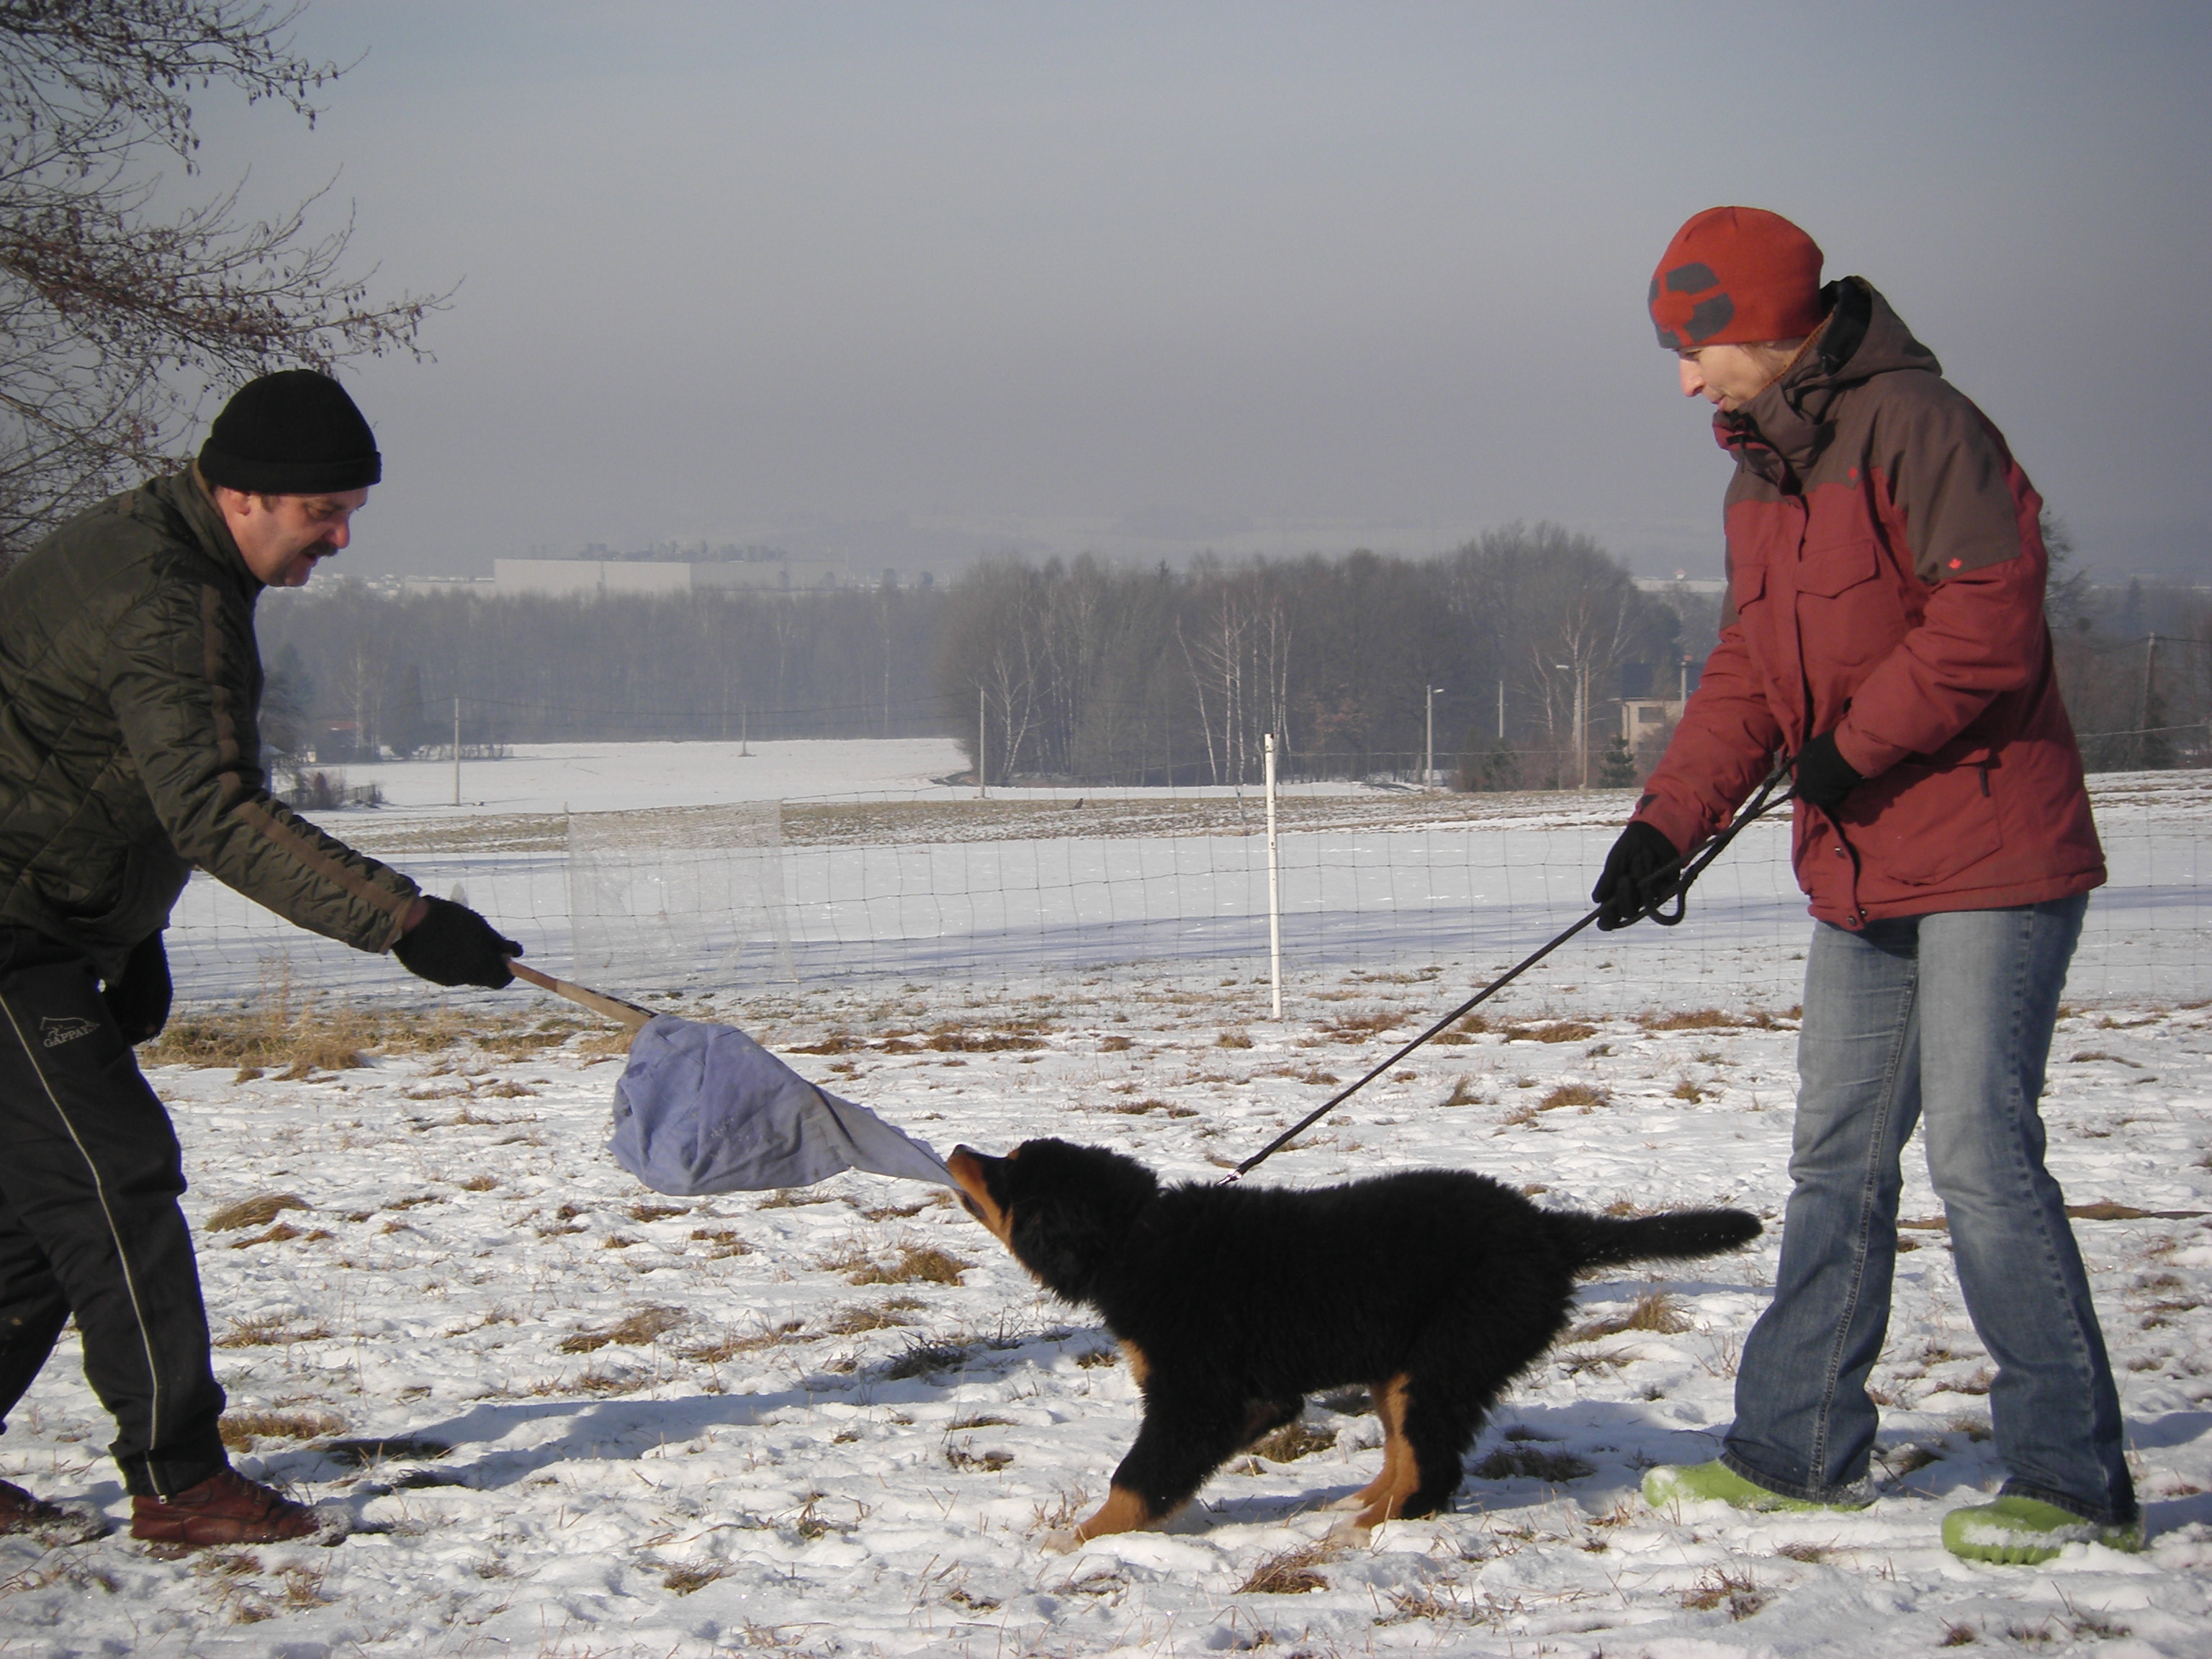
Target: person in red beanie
{"points": [[1884, 627], [129, 681]]}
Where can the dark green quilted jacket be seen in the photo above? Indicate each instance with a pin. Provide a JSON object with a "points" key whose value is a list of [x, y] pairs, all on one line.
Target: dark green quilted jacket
{"points": [[129, 684]]}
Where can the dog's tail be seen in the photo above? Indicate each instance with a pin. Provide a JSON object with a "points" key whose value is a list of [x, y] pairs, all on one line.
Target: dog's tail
{"points": [[1604, 1241]]}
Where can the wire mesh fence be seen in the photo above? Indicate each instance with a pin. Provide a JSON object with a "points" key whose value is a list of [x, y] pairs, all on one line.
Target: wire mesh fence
{"points": [[687, 901]]}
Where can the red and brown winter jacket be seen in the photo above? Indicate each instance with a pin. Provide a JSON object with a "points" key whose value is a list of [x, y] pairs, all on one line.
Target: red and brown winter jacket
{"points": [[1885, 577]]}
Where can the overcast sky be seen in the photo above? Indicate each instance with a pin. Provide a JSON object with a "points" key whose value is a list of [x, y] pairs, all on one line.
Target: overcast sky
{"points": [[905, 281]]}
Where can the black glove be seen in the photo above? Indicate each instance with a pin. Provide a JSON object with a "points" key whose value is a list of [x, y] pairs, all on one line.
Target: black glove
{"points": [[454, 946], [139, 997], [1824, 776], [1638, 870]]}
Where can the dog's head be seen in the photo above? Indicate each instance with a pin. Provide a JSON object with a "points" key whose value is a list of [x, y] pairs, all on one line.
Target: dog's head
{"points": [[1061, 1208]]}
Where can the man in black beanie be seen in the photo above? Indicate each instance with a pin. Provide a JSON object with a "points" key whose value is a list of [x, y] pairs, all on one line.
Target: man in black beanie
{"points": [[130, 681]]}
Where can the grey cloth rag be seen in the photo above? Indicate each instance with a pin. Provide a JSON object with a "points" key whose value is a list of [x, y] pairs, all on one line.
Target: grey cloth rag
{"points": [[703, 1108]]}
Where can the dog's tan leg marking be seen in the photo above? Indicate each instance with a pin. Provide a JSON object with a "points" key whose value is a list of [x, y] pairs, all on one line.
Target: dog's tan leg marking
{"points": [[1385, 1495], [1122, 1512], [1141, 1369]]}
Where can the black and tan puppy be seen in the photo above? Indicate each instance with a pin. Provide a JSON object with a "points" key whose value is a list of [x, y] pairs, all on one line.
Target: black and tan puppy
{"points": [[1433, 1287]]}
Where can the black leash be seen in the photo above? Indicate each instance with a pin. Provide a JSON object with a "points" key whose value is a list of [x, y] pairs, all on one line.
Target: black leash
{"points": [[1676, 890]]}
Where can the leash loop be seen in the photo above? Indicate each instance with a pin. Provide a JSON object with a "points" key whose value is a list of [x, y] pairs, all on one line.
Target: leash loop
{"points": [[1675, 889]]}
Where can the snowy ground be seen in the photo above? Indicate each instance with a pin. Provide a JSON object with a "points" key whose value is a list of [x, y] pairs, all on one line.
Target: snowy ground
{"points": [[675, 1427]]}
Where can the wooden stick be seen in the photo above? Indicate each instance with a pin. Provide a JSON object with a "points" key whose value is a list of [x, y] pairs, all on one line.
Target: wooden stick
{"points": [[627, 1014]]}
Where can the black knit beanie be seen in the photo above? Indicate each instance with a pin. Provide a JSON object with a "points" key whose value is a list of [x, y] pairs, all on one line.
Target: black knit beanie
{"points": [[295, 433]]}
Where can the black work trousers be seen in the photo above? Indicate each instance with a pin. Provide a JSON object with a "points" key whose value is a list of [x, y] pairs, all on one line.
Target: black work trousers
{"points": [[90, 1174]]}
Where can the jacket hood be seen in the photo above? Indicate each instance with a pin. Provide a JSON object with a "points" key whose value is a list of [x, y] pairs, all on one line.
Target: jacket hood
{"points": [[1862, 338]]}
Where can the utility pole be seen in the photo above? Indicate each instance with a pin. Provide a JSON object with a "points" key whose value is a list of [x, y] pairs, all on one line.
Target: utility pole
{"points": [[981, 729], [2143, 722], [457, 749], [1501, 709], [1581, 719], [1429, 749], [1274, 890]]}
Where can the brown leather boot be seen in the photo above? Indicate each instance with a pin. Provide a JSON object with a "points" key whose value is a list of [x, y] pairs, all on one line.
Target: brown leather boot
{"points": [[21, 1512], [226, 1508]]}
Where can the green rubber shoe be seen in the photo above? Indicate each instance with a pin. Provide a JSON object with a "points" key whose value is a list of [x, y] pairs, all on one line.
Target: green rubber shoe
{"points": [[1703, 1482], [2021, 1531]]}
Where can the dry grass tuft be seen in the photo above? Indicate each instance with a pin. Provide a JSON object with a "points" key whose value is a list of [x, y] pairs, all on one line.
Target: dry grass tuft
{"points": [[1289, 1572], [1139, 1108], [1233, 1040], [1573, 1094], [956, 1040], [1655, 1310], [883, 1316], [1557, 1030], [241, 1429], [1737, 1590], [918, 1264], [254, 1212], [641, 1329], [1464, 1093], [729, 1347], [1523, 1461], [282, 1027], [684, 1579], [1115, 1043], [1685, 1089], [269, 1331], [1689, 1019], [929, 1358], [1293, 1441]]}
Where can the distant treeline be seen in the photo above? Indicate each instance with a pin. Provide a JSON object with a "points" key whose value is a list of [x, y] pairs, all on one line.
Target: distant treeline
{"points": [[1085, 671], [353, 674]]}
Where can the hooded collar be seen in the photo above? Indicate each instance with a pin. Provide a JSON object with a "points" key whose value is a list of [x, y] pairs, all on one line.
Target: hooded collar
{"points": [[1782, 431], [183, 495]]}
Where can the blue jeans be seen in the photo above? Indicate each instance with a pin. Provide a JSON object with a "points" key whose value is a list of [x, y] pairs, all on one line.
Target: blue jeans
{"points": [[1949, 1015]]}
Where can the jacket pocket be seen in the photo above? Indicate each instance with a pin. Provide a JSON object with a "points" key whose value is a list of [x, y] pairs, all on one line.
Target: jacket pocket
{"points": [[1848, 617], [1828, 571], [1918, 825]]}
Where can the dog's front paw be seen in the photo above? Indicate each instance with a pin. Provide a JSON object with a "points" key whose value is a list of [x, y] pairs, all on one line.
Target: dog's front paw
{"points": [[1062, 1540], [1353, 1529]]}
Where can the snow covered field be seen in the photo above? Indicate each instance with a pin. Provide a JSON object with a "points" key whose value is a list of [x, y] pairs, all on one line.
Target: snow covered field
{"points": [[615, 1424]]}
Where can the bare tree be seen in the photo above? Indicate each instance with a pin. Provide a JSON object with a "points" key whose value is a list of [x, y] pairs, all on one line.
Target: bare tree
{"points": [[119, 311]]}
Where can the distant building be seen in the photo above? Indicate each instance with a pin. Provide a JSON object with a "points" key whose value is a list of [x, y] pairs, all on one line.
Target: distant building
{"points": [[1669, 583], [1641, 716], [590, 577]]}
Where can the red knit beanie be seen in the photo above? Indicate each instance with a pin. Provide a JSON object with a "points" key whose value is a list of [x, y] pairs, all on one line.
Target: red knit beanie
{"points": [[1734, 276]]}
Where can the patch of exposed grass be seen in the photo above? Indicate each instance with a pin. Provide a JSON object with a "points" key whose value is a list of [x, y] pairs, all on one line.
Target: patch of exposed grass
{"points": [[1738, 1591], [683, 1579], [254, 1212], [241, 1429], [1464, 1093], [1689, 1019], [1655, 1310], [637, 1330], [1293, 1441], [1685, 1089], [1233, 1040], [729, 1347], [1524, 1461], [269, 1331], [929, 1358], [918, 1264], [1289, 1572], [1139, 1108], [1557, 1030], [883, 1316], [1573, 1094], [959, 1041]]}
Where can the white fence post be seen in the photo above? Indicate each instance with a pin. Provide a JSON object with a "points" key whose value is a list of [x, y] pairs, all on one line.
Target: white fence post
{"points": [[1274, 889]]}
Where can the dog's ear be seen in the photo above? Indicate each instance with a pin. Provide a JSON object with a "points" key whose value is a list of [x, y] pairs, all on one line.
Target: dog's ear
{"points": [[1070, 1207]]}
